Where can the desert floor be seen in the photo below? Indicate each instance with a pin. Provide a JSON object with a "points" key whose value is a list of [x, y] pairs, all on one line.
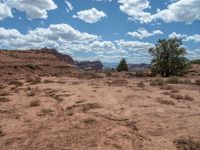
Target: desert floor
{"points": [[63, 113]]}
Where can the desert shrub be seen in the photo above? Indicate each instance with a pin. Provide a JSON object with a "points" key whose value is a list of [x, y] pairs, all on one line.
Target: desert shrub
{"points": [[187, 144], [157, 82], [122, 66], [15, 82], [197, 82], [173, 80], [31, 66], [31, 94], [186, 81], [141, 84], [34, 103], [33, 81], [139, 73], [176, 96], [4, 99], [188, 97], [169, 58], [48, 81], [108, 74], [4, 94], [167, 87]]}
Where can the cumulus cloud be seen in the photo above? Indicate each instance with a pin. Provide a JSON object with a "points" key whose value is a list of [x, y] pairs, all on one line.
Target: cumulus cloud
{"points": [[186, 38], [136, 10], [101, 46], [133, 45], [91, 15], [180, 11], [58, 35], [33, 9], [5, 11], [143, 33], [177, 11]]}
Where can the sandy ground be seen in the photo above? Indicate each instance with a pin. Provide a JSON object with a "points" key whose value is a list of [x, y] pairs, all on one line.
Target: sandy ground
{"points": [[102, 114]]}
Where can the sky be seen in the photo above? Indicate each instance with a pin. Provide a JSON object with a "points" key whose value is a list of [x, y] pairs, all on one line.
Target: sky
{"points": [[105, 30]]}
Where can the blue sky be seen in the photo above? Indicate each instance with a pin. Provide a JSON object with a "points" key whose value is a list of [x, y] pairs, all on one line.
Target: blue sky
{"points": [[105, 30]]}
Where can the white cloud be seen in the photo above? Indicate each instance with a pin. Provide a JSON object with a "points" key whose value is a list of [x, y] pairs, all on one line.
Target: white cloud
{"points": [[135, 10], [5, 11], [186, 38], [143, 33], [69, 6], [177, 11], [32, 8], [58, 36], [91, 15], [180, 11], [177, 35], [101, 46], [133, 45], [195, 38]]}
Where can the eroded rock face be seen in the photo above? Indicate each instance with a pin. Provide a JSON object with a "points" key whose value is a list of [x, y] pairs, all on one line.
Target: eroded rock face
{"points": [[62, 57], [88, 65]]}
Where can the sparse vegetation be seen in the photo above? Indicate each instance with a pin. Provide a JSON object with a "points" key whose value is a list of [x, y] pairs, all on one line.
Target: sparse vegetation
{"points": [[4, 99], [15, 82], [173, 80], [169, 58], [197, 82], [34, 103], [31, 66], [157, 82], [187, 144]]}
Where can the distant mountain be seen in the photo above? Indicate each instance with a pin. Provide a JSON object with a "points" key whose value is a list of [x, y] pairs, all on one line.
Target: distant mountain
{"points": [[131, 66], [89, 65], [138, 66]]}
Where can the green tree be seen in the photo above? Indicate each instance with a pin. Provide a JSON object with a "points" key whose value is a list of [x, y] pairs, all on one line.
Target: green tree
{"points": [[169, 58], [122, 66]]}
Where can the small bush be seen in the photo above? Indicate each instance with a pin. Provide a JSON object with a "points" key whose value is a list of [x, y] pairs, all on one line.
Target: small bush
{"points": [[197, 82], [176, 96], [187, 144], [48, 81], [31, 94], [15, 82], [108, 74], [174, 80], [31, 66], [157, 82], [188, 97], [4, 99], [139, 74], [4, 94], [35, 103]]}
